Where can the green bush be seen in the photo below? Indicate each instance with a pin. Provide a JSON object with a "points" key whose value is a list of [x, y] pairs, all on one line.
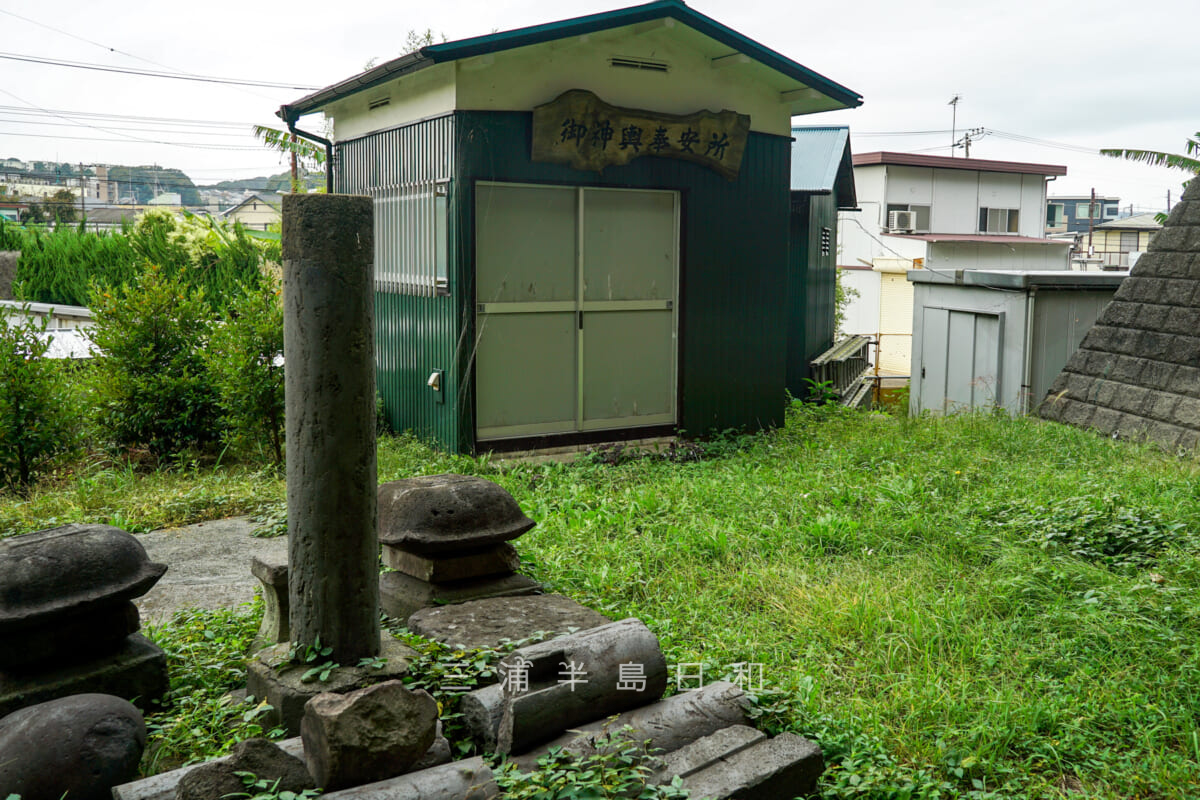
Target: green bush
{"points": [[153, 390], [243, 362], [36, 423]]}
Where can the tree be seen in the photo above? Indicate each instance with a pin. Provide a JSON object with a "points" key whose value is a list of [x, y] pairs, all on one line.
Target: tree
{"points": [[1187, 163], [303, 153], [60, 206], [36, 426]]}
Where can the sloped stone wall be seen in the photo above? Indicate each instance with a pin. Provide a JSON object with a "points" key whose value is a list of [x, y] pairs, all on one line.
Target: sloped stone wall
{"points": [[1137, 372]]}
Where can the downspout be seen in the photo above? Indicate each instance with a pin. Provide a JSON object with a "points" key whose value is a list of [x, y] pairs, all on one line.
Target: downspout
{"points": [[1026, 398], [290, 119]]}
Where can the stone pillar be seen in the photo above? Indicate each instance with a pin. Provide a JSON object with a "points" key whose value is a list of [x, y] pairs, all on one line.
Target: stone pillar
{"points": [[329, 347]]}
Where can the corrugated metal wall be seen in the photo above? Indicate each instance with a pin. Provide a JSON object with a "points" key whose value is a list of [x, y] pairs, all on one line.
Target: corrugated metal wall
{"points": [[811, 278], [734, 262], [416, 327]]}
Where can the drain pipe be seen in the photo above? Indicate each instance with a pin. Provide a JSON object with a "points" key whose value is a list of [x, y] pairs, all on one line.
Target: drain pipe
{"points": [[290, 119]]}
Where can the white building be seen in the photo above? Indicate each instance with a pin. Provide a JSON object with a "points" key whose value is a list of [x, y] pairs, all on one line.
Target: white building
{"points": [[939, 213]]}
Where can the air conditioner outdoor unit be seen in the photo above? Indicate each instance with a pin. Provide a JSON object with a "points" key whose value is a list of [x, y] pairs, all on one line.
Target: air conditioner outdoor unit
{"points": [[901, 220]]}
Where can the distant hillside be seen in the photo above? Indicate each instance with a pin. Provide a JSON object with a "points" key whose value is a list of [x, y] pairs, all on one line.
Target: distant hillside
{"points": [[145, 183], [273, 183]]}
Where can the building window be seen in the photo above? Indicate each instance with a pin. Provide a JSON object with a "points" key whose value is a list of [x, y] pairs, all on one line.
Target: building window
{"points": [[1055, 215], [410, 238], [1082, 212], [1129, 241], [998, 220], [920, 215]]}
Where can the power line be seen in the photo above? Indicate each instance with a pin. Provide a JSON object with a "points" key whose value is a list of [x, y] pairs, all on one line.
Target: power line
{"points": [[227, 135], [123, 117], [146, 73], [132, 140]]}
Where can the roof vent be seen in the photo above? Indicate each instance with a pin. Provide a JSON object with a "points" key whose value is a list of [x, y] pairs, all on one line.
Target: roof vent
{"points": [[378, 102], [639, 63]]}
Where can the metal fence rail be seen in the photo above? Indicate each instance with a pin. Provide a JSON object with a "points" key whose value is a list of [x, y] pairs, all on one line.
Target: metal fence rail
{"points": [[843, 368]]}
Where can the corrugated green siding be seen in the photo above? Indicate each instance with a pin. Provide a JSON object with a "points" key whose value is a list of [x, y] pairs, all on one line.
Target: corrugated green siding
{"points": [[734, 262], [414, 335], [810, 287]]}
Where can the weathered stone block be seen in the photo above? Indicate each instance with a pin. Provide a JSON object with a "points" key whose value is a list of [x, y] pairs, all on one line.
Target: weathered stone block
{"points": [[367, 735], [470, 779], [137, 671], [1120, 314], [1162, 406], [1180, 214], [1187, 413], [1127, 369], [706, 752], [782, 768], [1169, 240], [666, 725], [488, 623], [1105, 420], [1191, 240], [275, 625], [1185, 380], [598, 685], [1079, 414], [1178, 292], [1184, 350], [501, 559], [88, 634], [1152, 317], [447, 514], [1103, 392], [1154, 345], [482, 710], [401, 595], [1193, 271], [271, 677], [64, 571], [77, 747], [1125, 398], [266, 759], [1182, 320]]}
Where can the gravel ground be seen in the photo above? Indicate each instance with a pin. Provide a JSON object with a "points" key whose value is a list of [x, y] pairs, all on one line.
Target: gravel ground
{"points": [[208, 566]]}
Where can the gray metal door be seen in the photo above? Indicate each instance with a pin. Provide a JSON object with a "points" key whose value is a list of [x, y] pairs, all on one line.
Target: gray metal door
{"points": [[960, 359], [576, 319]]}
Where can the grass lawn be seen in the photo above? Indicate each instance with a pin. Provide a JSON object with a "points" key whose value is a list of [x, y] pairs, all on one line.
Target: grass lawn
{"points": [[965, 607]]}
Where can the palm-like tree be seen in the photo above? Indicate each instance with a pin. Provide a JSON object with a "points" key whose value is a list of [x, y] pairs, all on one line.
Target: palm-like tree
{"points": [[1188, 163]]}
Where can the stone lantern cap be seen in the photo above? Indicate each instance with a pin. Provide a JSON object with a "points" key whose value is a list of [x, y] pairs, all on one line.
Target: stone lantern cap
{"points": [[67, 570], [448, 514]]}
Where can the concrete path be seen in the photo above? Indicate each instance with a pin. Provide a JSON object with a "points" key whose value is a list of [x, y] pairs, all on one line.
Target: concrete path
{"points": [[208, 566]]}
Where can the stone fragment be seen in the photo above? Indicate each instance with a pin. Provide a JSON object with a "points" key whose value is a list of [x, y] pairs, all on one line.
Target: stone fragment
{"points": [[706, 751], [482, 710], [55, 573], [487, 623], [85, 635], [667, 725], [501, 559], [264, 758], [401, 595], [272, 677], [273, 576], [446, 514], [79, 746], [782, 768], [609, 669], [367, 735], [163, 785], [138, 670], [470, 779]]}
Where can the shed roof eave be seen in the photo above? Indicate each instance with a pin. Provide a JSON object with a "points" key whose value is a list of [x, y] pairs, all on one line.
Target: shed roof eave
{"points": [[840, 96]]}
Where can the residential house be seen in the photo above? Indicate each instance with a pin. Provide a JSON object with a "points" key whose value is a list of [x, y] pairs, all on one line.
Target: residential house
{"points": [[257, 212], [1072, 213], [583, 228], [1118, 243], [822, 184], [939, 213]]}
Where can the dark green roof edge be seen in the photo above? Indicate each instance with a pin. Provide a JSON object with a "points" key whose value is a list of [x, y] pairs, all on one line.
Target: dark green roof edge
{"points": [[577, 26]]}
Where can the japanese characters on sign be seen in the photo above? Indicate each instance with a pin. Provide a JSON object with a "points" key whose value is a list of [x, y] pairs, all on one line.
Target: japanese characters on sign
{"points": [[580, 129], [514, 676]]}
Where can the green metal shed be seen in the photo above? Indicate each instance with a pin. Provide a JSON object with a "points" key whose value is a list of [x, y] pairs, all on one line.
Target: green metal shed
{"points": [[570, 246]]}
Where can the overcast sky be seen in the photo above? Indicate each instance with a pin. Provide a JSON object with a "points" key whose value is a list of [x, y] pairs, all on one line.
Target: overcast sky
{"points": [[1076, 76]]}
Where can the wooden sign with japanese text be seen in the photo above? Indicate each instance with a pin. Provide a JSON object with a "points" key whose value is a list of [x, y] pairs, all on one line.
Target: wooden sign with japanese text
{"points": [[580, 129]]}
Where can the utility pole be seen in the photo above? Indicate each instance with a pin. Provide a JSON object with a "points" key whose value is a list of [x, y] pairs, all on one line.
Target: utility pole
{"points": [[82, 193], [1168, 201], [954, 122], [1091, 220]]}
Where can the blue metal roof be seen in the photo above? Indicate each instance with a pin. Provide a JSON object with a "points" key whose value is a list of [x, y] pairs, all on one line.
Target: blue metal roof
{"points": [[578, 26], [822, 163]]}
